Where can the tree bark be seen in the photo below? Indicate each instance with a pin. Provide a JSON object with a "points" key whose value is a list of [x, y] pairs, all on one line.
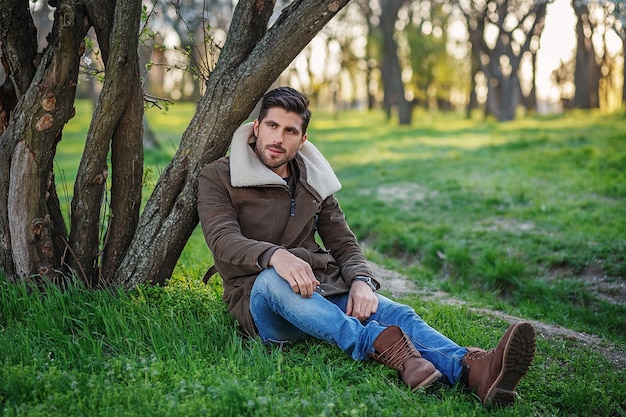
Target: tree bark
{"points": [[126, 153], [123, 71], [19, 49], [36, 234], [126, 184], [370, 57]]}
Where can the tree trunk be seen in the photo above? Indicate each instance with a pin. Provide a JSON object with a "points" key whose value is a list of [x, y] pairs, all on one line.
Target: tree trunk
{"points": [[19, 49], [126, 184], [587, 70], [624, 71], [530, 101], [503, 97], [19, 44], [121, 59], [473, 96], [250, 61], [35, 238], [367, 13], [391, 71]]}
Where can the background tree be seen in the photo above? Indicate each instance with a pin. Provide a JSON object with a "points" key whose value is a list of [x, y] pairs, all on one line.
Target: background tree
{"points": [[500, 33], [33, 239], [372, 51], [609, 30], [587, 70], [349, 29], [618, 10], [193, 24], [563, 78], [436, 72], [329, 70], [393, 85]]}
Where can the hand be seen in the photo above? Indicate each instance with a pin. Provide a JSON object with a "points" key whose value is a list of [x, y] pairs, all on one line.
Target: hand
{"points": [[295, 271], [362, 301]]}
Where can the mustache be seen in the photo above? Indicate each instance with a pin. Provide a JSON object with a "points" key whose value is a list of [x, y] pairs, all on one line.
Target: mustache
{"points": [[276, 147]]}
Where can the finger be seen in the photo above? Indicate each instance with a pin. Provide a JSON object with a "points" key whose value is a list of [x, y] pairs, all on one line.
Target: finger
{"points": [[357, 309], [349, 307], [367, 308], [366, 311], [311, 282], [296, 284], [306, 289], [307, 286], [304, 279]]}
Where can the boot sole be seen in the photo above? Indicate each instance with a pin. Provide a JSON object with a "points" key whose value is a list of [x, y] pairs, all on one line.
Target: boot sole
{"points": [[434, 377], [518, 355]]}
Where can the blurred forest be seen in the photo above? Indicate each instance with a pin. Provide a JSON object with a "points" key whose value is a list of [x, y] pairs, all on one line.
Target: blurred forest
{"points": [[498, 57]]}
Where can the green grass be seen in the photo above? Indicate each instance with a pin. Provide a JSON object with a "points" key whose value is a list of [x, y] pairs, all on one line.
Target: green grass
{"points": [[174, 351], [531, 212], [527, 217]]}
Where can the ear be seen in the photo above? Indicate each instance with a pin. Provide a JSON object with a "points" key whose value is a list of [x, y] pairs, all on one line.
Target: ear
{"points": [[304, 137], [255, 128]]}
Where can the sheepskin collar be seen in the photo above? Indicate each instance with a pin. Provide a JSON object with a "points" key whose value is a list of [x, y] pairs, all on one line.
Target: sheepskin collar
{"points": [[246, 170]]}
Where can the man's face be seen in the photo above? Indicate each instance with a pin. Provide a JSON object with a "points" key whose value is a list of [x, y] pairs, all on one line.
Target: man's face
{"points": [[278, 138]]}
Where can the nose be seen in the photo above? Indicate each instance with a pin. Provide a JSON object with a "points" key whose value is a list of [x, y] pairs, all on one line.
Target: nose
{"points": [[278, 137]]}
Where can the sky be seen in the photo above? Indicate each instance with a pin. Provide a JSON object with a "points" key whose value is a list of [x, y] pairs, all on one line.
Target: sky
{"points": [[558, 42]]}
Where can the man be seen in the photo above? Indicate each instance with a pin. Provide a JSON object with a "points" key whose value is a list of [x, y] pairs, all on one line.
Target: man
{"points": [[260, 210]]}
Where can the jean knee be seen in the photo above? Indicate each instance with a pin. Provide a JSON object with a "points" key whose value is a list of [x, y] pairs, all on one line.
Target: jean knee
{"points": [[261, 283], [270, 284]]}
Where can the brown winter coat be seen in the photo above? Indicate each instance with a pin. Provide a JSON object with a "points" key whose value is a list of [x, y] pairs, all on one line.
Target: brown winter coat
{"points": [[246, 212]]}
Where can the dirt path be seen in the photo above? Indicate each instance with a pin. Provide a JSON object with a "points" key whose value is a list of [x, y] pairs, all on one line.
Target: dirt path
{"points": [[399, 285]]}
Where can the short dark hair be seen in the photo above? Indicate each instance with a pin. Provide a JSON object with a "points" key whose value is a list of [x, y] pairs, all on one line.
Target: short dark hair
{"points": [[290, 100]]}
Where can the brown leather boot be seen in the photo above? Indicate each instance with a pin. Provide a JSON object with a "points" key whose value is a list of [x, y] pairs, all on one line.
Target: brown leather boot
{"points": [[494, 374], [395, 350]]}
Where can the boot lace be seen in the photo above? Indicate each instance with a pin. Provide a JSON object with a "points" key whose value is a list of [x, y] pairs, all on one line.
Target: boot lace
{"points": [[478, 354], [397, 354]]}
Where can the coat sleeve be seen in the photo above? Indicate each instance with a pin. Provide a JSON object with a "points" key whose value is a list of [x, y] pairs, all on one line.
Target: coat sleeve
{"points": [[219, 223], [341, 242]]}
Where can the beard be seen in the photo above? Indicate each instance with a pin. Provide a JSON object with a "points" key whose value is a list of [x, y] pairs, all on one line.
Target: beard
{"points": [[270, 160]]}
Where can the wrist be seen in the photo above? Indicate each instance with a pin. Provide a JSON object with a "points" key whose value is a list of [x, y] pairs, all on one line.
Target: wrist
{"points": [[366, 280], [272, 254]]}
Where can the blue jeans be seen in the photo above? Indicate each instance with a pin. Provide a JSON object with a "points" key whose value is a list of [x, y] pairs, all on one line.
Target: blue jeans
{"points": [[282, 316]]}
